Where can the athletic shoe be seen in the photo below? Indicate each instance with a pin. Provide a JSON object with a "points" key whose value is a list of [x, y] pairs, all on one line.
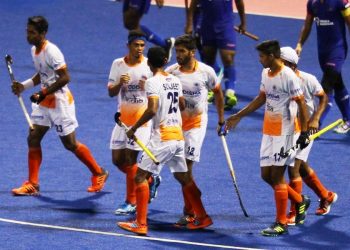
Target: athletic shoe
{"points": [[185, 220], [134, 227], [210, 97], [98, 182], [170, 42], [198, 223], [275, 229], [125, 209], [325, 204], [26, 189], [291, 219], [343, 128], [153, 187], [230, 100], [301, 209]]}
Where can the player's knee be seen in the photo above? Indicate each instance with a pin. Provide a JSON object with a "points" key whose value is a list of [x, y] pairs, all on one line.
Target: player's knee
{"points": [[331, 79], [70, 146], [130, 24]]}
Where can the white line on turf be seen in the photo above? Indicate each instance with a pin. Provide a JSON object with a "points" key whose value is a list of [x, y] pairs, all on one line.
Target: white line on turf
{"points": [[123, 235]]}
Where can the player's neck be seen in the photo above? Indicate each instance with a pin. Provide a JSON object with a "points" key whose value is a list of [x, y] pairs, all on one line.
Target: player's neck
{"points": [[158, 71], [131, 60], [40, 45], [276, 66], [190, 66]]}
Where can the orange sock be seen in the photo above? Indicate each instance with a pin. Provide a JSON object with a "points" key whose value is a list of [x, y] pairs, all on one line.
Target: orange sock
{"points": [[281, 199], [34, 161], [297, 185], [293, 195], [142, 197], [150, 179], [193, 194], [84, 155], [315, 184], [130, 184]]}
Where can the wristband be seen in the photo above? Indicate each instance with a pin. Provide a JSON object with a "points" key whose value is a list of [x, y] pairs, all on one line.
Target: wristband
{"points": [[29, 83], [44, 91]]}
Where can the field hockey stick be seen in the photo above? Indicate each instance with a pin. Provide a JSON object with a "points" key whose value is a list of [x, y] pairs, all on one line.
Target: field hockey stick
{"points": [[311, 137], [246, 33], [140, 143], [9, 61], [229, 162]]}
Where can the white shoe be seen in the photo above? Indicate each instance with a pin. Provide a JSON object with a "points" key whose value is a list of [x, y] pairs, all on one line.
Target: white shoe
{"points": [[342, 128]]}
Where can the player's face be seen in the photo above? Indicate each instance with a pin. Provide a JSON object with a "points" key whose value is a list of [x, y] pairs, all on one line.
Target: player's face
{"points": [[266, 60], [136, 48], [183, 55], [33, 36]]}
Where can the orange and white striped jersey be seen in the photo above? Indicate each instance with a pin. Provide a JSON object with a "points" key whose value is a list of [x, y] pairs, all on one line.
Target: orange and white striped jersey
{"points": [[195, 87], [280, 90], [46, 61], [132, 99], [311, 88], [167, 122]]}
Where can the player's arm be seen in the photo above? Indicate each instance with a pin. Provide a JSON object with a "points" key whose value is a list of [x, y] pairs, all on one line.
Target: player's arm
{"points": [[62, 80], [303, 115], [219, 103], [305, 32], [190, 10], [234, 119], [160, 3], [241, 13], [19, 87], [114, 89], [182, 103], [152, 108], [315, 119]]}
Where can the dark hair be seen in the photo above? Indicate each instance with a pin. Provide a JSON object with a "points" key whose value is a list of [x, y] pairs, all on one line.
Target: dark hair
{"points": [[188, 41], [270, 47], [157, 57], [40, 23], [136, 35]]}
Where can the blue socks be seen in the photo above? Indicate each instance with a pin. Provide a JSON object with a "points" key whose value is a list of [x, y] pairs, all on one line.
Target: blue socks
{"points": [[153, 37], [230, 77], [342, 100]]}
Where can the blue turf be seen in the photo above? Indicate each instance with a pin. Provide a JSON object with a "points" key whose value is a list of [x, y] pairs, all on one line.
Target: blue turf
{"points": [[91, 36]]}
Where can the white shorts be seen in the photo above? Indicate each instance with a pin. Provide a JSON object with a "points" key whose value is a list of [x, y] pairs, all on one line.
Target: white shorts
{"points": [[193, 142], [119, 140], [271, 147], [62, 117], [303, 154], [170, 153]]}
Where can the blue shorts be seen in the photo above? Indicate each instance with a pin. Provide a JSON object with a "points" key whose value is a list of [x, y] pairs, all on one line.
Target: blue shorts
{"points": [[334, 60], [142, 6], [219, 36]]}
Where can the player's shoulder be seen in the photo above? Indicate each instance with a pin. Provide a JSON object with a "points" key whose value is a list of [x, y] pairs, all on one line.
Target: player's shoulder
{"points": [[204, 67], [172, 68], [51, 47]]}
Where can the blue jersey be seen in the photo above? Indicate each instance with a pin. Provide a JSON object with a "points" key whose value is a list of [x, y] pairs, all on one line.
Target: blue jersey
{"points": [[331, 34], [217, 11]]}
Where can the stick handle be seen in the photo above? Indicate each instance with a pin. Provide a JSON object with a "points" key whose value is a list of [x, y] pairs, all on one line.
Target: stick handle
{"points": [[248, 34], [25, 112], [140, 143]]}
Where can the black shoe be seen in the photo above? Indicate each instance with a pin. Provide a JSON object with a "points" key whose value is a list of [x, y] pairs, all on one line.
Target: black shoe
{"points": [[170, 42], [275, 229], [301, 209]]}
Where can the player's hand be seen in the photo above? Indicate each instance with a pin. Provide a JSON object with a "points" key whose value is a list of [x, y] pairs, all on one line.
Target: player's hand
{"points": [[160, 3], [303, 140], [232, 122], [298, 48], [17, 88], [131, 133], [37, 97], [221, 129], [242, 28], [313, 126], [124, 79]]}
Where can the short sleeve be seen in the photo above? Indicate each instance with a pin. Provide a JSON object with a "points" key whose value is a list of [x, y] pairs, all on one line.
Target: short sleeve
{"points": [[55, 58]]}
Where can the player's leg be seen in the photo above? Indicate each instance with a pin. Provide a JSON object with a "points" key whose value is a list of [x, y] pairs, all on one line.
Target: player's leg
{"points": [[341, 96], [327, 197], [295, 182], [31, 186]]}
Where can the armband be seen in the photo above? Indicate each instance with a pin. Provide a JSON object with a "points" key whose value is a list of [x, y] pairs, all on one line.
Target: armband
{"points": [[27, 84]]}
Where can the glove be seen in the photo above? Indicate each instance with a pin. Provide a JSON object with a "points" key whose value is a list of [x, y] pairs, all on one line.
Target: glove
{"points": [[303, 140], [116, 117], [37, 97], [221, 129]]}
